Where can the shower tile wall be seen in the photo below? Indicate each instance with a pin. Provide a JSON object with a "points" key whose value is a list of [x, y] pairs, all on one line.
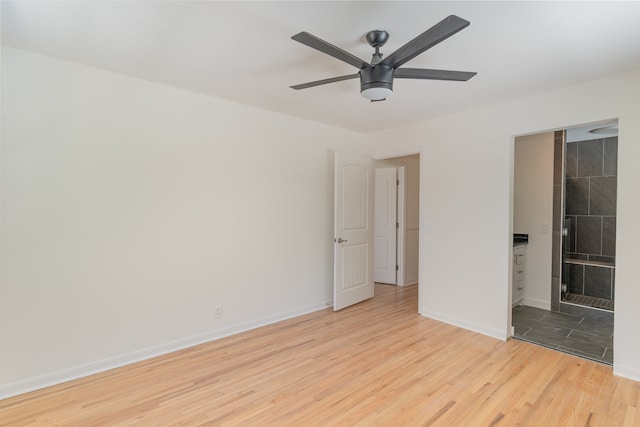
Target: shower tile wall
{"points": [[591, 186]]}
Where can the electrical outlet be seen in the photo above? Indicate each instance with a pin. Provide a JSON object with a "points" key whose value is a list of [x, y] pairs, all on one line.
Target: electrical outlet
{"points": [[217, 311]]}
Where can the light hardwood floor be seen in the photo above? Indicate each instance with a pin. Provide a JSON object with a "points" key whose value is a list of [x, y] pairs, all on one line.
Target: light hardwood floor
{"points": [[375, 364]]}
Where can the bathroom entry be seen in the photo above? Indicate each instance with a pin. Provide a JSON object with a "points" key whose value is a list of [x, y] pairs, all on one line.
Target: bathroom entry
{"points": [[396, 216], [564, 204]]}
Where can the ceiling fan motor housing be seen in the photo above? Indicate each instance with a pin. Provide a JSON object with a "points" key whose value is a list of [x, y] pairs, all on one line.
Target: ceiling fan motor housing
{"points": [[378, 76]]}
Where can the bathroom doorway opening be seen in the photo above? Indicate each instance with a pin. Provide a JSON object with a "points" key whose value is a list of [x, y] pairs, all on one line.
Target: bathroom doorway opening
{"points": [[564, 254]]}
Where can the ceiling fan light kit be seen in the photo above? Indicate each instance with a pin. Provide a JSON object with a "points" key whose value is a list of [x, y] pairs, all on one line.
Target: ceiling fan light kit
{"points": [[376, 83], [376, 77]]}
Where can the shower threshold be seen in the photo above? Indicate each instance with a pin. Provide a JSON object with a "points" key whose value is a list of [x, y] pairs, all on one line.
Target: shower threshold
{"points": [[601, 303]]}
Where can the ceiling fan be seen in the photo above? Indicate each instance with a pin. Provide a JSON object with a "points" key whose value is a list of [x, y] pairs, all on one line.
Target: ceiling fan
{"points": [[376, 78]]}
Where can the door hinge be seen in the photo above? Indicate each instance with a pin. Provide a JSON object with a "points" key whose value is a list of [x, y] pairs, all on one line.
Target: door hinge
{"points": [[397, 225], [397, 182], [397, 268]]}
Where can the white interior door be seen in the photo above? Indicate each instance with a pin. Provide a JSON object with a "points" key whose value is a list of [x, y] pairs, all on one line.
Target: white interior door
{"points": [[353, 230], [385, 214]]}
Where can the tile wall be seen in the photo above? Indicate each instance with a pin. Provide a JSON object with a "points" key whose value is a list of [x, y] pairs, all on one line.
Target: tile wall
{"points": [[590, 208]]}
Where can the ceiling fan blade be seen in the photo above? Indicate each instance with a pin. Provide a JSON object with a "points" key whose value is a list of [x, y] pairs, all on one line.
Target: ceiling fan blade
{"points": [[434, 35], [422, 73], [325, 81], [331, 50]]}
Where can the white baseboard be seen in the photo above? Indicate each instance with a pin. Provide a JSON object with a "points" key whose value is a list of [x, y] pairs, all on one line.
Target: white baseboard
{"points": [[69, 374], [537, 303], [626, 371], [410, 283], [471, 326]]}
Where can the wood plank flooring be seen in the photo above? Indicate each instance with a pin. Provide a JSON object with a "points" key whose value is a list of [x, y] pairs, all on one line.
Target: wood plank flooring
{"points": [[375, 364]]}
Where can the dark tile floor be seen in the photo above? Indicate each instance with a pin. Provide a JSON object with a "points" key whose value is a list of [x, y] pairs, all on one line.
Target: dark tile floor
{"points": [[589, 336]]}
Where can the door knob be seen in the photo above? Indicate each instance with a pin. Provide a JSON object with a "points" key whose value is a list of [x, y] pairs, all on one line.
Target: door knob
{"points": [[339, 240]]}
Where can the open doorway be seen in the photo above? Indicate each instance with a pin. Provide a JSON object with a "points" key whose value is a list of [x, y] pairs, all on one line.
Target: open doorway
{"points": [[397, 196], [564, 239], [354, 226]]}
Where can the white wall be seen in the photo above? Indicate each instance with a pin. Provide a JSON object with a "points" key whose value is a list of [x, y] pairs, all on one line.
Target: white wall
{"points": [[129, 209], [466, 203], [533, 212]]}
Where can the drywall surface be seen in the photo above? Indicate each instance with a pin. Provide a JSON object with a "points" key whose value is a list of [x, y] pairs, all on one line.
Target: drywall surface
{"points": [[533, 212], [467, 201], [130, 210]]}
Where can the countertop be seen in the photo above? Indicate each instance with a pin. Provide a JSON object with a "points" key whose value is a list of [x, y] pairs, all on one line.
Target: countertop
{"points": [[520, 239]]}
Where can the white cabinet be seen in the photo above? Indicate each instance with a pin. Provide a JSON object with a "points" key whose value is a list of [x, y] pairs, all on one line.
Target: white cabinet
{"points": [[519, 262]]}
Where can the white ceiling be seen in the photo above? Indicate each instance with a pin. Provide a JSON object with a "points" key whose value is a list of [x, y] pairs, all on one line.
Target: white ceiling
{"points": [[584, 133], [242, 51]]}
